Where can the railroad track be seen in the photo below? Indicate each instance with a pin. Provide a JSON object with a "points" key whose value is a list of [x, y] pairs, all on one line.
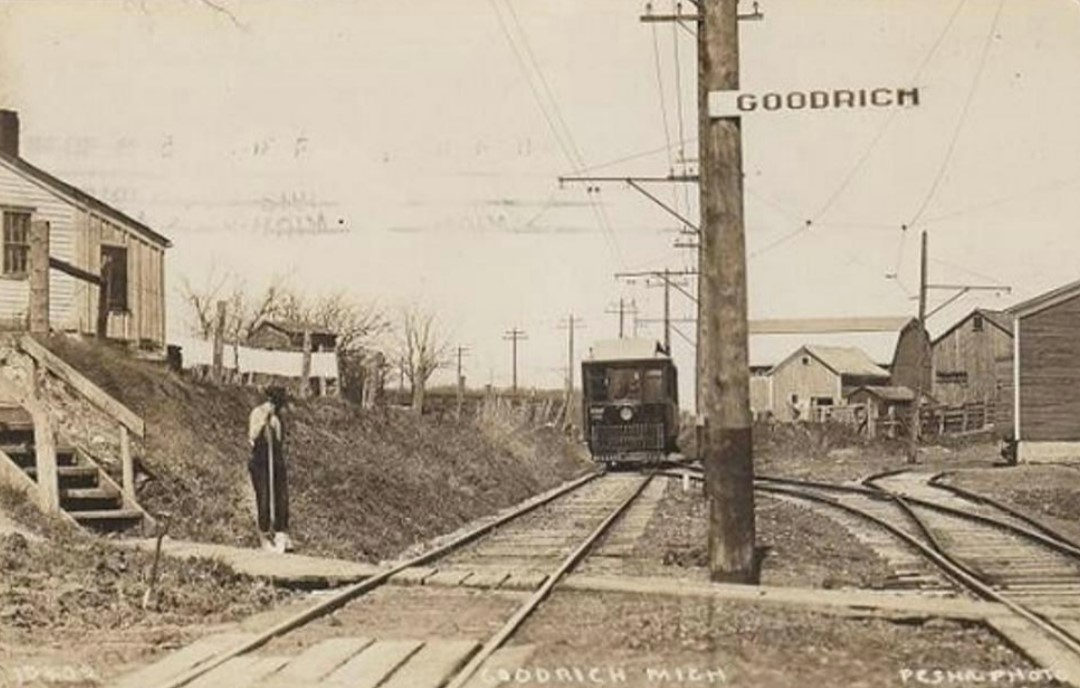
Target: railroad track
{"points": [[543, 540], [981, 548]]}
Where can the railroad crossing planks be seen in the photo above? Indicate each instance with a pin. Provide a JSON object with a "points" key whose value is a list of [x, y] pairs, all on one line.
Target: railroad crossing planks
{"points": [[432, 665], [180, 661], [239, 672], [316, 662], [371, 667]]}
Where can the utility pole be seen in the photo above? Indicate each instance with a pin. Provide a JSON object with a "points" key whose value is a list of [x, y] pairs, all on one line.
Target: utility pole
{"points": [[461, 350], [920, 360], [621, 310], [570, 325], [726, 446], [667, 278], [513, 336]]}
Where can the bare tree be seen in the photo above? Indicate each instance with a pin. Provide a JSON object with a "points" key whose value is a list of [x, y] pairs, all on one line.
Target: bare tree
{"points": [[356, 323], [423, 350]]}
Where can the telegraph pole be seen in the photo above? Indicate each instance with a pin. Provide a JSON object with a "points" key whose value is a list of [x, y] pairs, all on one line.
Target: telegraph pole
{"points": [[623, 308], [723, 331], [570, 325], [461, 350], [667, 281], [513, 336]]}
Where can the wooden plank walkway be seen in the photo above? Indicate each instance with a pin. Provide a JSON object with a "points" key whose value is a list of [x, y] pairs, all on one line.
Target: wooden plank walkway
{"points": [[281, 569]]}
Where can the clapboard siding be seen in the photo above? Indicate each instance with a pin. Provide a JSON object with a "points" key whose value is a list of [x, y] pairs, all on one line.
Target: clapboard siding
{"points": [[76, 235], [19, 192], [970, 351], [1050, 373]]}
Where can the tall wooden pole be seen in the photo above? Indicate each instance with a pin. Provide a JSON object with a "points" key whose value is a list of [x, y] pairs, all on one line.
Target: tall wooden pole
{"points": [[920, 357], [727, 450], [38, 260]]}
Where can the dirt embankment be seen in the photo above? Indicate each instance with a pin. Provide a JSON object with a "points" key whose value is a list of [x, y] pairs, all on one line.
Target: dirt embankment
{"points": [[364, 485]]}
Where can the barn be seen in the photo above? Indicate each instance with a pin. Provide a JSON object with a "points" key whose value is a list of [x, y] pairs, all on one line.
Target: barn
{"points": [[1038, 407], [816, 377], [965, 358], [92, 249]]}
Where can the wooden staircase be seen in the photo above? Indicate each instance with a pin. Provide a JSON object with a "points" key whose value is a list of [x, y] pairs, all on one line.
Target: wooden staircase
{"points": [[87, 494]]}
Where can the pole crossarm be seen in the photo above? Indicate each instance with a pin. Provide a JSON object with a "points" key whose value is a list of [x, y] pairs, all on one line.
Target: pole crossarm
{"points": [[971, 287], [671, 178]]}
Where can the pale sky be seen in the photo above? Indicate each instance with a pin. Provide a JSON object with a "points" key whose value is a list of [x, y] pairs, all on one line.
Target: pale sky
{"points": [[411, 145]]}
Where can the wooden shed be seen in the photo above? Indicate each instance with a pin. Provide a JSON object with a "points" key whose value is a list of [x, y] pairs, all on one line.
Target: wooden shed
{"points": [[288, 335], [966, 355], [1038, 408], [85, 235], [816, 377]]}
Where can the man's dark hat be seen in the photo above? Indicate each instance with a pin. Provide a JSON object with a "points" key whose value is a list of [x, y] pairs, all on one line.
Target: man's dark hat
{"points": [[277, 396]]}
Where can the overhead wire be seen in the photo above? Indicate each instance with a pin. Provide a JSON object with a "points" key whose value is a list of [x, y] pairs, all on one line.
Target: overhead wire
{"points": [[958, 129], [865, 156], [557, 123]]}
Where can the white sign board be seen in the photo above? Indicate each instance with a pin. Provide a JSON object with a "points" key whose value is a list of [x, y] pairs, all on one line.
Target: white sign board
{"points": [[738, 103]]}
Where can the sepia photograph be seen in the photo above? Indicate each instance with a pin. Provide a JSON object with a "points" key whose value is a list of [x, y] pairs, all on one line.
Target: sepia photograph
{"points": [[530, 343]]}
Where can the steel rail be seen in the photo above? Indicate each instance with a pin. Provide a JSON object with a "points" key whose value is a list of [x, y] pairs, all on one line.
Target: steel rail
{"points": [[938, 481], [975, 582], [1038, 533], [503, 634], [353, 591], [948, 564]]}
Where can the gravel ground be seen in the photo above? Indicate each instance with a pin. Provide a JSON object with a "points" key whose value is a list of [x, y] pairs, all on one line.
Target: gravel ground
{"points": [[802, 548], [1050, 493], [750, 645]]}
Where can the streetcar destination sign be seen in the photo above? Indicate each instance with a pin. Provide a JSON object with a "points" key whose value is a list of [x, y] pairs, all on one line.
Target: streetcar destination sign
{"points": [[736, 103]]}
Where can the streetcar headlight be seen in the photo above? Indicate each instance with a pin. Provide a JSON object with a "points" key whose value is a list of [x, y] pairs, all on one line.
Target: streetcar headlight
{"points": [[626, 413]]}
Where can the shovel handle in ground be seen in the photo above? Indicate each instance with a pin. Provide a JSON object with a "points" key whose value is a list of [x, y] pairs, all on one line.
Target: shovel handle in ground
{"points": [[268, 431], [163, 520]]}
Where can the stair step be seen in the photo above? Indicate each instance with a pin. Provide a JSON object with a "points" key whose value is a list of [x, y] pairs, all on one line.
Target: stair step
{"points": [[108, 514], [104, 492], [71, 476], [25, 456]]}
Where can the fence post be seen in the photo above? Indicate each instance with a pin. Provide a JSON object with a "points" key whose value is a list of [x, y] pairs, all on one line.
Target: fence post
{"points": [[127, 462], [305, 366], [48, 478], [218, 367]]}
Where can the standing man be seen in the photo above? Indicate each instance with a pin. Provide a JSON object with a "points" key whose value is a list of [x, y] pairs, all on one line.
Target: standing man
{"points": [[266, 435]]}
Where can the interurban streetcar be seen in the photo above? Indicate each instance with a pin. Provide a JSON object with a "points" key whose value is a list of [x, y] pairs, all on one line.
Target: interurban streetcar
{"points": [[631, 401]]}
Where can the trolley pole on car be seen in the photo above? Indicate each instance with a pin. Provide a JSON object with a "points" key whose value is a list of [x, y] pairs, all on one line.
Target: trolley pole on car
{"points": [[514, 335], [723, 330]]}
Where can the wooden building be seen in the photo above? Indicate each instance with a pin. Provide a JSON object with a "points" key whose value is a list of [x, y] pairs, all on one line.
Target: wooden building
{"points": [[814, 378], [1038, 407], [287, 335], [886, 408], [85, 235], [965, 358]]}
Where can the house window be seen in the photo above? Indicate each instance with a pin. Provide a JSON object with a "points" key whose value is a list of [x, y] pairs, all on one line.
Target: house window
{"points": [[16, 243], [794, 398], [806, 360], [977, 323], [114, 269], [952, 378]]}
